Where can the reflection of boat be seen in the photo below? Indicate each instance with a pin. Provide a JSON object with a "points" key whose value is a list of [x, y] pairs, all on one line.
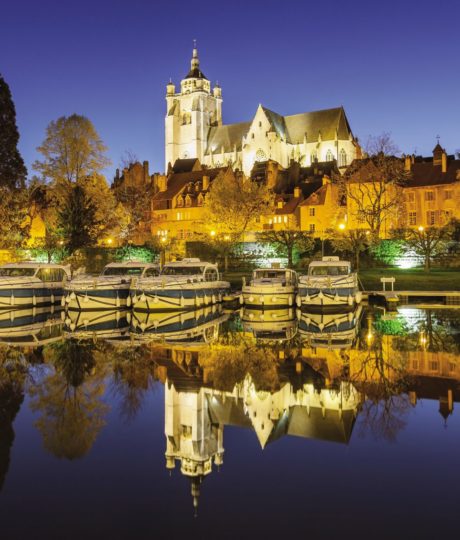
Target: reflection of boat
{"points": [[330, 330], [186, 284], [178, 326], [30, 326], [102, 324], [32, 284], [278, 324], [110, 290], [329, 283], [270, 287]]}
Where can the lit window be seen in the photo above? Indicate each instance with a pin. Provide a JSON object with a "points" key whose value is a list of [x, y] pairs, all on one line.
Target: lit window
{"points": [[179, 216], [429, 196], [431, 217], [312, 227], [285, 219], [311, 212], [342, 158], [412, 218], [329, 156]]}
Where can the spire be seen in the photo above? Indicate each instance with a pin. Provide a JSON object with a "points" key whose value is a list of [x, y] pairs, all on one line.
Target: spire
{"points": [[195, 64], [195, 72]]}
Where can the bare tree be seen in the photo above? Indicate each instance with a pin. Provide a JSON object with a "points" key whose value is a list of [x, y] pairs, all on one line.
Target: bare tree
{"points": [[372, 187]]}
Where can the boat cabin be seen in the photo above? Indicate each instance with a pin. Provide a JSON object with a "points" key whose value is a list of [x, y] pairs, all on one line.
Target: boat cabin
{"points": [[131, 268], [48, 273], [329, 266], [191, 267], [274, 275]]}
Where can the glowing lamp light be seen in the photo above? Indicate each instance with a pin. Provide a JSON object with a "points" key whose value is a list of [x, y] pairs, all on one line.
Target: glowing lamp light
{"points": [[421, 228], [163, 239], [213, 233], [226, 237], [342, 226], [109, 241]]}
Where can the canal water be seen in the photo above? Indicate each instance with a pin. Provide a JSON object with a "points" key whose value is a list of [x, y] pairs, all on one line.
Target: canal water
{"points": [[217, 424]]}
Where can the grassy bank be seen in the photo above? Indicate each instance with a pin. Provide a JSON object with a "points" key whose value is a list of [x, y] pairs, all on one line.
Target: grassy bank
{"points": [[415, 279]]}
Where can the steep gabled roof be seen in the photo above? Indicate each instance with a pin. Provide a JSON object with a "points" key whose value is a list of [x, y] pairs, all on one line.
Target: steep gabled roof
{"points": [[276, 121], [317, 198], [427, 174], [186, 165], [328, 122], [227, 137]]}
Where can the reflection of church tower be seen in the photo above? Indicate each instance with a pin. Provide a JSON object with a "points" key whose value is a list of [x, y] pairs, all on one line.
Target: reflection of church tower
{"points": [[446, 405], [190, 113], [191, 435]]}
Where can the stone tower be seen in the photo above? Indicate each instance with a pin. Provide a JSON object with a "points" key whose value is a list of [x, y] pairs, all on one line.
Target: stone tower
{"points": [[190, 114]]}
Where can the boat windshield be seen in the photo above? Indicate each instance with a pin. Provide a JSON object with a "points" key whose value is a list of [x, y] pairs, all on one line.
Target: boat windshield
{"points": [[17, 272], [182, 270], [269, 274], [152, 272], [123, 271], [329, 270]]}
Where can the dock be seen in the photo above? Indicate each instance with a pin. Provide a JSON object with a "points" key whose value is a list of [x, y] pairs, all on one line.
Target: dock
{"points": [[393, 299]]}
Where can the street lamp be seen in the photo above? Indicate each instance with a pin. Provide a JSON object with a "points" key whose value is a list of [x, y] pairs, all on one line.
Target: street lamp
{"points": [[342, 226], [213, 233], [421, 228]]}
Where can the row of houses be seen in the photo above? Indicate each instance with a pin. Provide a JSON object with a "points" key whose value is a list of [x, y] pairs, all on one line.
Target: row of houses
{"points": [[315, 199]]}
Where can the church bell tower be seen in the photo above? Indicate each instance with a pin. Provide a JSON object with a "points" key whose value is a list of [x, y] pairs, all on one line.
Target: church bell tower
{"points": [[190, 114]]}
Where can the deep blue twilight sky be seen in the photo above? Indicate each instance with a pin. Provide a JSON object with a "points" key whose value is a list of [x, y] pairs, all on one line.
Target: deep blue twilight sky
{"points": [[393, 65]]}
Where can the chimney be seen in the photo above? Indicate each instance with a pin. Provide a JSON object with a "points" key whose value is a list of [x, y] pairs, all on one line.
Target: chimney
{"points": [[162, 184], [145, 164], [444, 162], [407, 163], [205, 182], [297, 192]]}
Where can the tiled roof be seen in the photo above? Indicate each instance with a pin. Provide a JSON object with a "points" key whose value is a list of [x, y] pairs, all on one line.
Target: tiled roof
{"points": [[316, 198], [227, 137], [185, 165], [178, 181], [289, 206], [427, 174]]}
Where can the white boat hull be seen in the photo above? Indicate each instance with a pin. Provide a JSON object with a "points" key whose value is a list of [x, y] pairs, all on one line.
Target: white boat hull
{"points": [[178, 297], [268, 297]]}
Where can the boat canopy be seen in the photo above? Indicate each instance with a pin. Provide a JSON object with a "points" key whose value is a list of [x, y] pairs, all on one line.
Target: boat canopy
{"points": [[31, 268], [329, 266], [131, 268], [190, 267]]}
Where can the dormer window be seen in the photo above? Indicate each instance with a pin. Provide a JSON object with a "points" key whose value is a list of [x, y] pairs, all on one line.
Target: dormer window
{"points": [[180, 201], [280, 204], [188, 201], [200, 200]]}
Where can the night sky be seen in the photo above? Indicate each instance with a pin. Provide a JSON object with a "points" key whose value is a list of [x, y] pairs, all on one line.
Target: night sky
{"points": [[393, 65]]}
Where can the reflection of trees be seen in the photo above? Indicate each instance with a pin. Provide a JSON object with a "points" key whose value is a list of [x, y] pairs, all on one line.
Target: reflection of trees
{"points": [[12, 378], [132, 379], [381, 376], [69, 400]]}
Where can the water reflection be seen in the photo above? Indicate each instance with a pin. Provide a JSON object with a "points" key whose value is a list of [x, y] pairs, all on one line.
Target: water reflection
{"points": [[318, 376]]}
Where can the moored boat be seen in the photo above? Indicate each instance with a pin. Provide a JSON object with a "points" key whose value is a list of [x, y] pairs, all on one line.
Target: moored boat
{"points": [[110, 290], [30, 327], [330, 284], [30, 284], [185, 284], [270, 288], [104, 324]]}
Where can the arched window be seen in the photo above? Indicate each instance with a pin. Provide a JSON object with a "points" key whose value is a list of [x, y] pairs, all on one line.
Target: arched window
{"points": [[313, 157], [342, 158], [180, 202], [188, 201], [200, 200], [329, 156]]}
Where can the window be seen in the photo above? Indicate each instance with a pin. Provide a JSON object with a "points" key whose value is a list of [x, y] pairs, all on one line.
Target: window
{"points": [[179, 216], [311, 212], [412, 218], [329, 156], [260, 124], [430, 217], [188, 201], [429, 196], [312, 227], [180, 202], [50, 274], [200, 200], [285, 219], [210, 275], [433, 365], [313, 157], [260, 155], [342, 158], [448, 194], [410, 197]]}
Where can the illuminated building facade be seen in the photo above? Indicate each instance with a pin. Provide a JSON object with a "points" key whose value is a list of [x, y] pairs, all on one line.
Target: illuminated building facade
{"points": [[194, 129]]}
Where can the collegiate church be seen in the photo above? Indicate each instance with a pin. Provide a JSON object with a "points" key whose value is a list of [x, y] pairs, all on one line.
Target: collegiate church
{"points": [[194, 129]]}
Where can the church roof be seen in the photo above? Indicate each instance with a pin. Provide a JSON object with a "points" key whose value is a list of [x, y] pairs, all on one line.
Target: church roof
{"points": [[328, 122], [185, 165], [195, 73], [227, 136]]}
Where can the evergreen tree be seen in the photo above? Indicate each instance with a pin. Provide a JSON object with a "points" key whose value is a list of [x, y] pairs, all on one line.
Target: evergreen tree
{"points": [[78, 220], [12, 169]]}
